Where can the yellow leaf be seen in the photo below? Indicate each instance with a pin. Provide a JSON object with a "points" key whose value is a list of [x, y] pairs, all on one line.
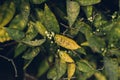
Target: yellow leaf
{"points": [[99, 76], [4, 35], [64, 56], [71, 70], [66, 42]]}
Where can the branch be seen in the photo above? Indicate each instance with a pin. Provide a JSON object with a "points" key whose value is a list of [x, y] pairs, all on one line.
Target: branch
{"points": [[12, 62]]}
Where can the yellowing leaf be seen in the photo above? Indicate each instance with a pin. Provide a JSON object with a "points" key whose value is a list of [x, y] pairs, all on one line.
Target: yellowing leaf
{"points": [[40, 28], [4, 35], [15, 34], [64, 56], [71, 70], [66, 42], [100, 76]]}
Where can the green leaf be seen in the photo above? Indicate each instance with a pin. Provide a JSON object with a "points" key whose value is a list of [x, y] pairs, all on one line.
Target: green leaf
{"points": [[60, 12], [31, 32], [73, 9], [76, 29], [52, 74], [88, 2], [111, 68], [19, 49], [34, 43], [15, 34], [29, 35], [83, 27], [88, 11], [44, 66], [84, 66], [96, 43], [40, 15], [113, 34], [87, 75], [31, 53], [84, 75], [48, 19], [57, 71], [81, 51], [100, 20]]}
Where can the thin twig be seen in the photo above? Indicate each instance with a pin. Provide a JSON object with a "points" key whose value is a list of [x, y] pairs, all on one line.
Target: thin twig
{"points": [[12, 62], [29, 76], [14, 66], [9, 44], [76, 53], [101, 68], [64, 25]]}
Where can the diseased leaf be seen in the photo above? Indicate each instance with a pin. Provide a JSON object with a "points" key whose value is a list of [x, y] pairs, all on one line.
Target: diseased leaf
{"points": [[4, 35], [50, 22], [40, 28], [73, 9], [34, 43], [71, 70], [65, 57], [88, 11], [48, 19], [88, 2], [29, 35], [15, 34], [31, 32], [31, 53], [66, 42]]}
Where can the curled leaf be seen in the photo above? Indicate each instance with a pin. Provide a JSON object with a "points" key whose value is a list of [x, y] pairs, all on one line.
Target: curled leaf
{"points": [[35, 43]]}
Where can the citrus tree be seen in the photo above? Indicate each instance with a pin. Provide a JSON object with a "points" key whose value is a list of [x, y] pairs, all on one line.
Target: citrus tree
{"points": [[61, 39]]}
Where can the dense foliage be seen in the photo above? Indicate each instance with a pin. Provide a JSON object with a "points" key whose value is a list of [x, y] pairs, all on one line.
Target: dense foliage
{"points": [[60, 39]]}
